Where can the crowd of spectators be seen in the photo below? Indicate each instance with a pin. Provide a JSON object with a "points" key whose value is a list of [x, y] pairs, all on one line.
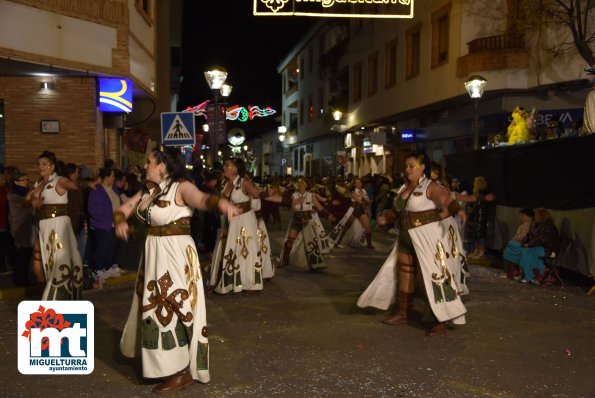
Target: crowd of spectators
{"points": [[91, 210]]}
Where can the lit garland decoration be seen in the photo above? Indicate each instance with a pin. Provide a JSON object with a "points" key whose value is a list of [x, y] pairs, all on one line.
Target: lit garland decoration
{"points": [[242, 114], [235, 112], [199, 110]]}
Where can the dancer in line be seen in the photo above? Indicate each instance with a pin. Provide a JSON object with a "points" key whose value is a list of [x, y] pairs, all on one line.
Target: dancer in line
{"points": [[302, 247], [167, 320], [428, 243], [349, 230], [236, 265], [56, 258]]}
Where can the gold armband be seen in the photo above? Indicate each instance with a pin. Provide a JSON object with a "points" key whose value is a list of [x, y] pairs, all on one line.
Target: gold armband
{"points": [[213, 202], [119, 217], [454, 207]]}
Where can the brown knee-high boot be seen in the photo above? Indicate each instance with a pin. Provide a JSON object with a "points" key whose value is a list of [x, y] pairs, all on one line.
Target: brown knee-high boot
{"points": [[286, 251], [404, 305], [406, 283]]}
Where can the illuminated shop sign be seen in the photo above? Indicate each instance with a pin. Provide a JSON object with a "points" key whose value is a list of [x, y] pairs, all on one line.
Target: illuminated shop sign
{"points": [[408, 135], [336, 8], [115, 95], [367, 145]]}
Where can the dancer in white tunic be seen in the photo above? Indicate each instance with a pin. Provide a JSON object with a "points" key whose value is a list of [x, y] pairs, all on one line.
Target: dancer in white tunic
{"points": [[56, 260], [354, 228], [302, 246], [236, 265], [167, 321], [429, 239]]}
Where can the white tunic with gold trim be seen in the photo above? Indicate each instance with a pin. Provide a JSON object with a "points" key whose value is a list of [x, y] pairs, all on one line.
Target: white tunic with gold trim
{"points": [[62, 265], [354, 236], [168, 320], [442, 261], [236, 265], [306, 253]]}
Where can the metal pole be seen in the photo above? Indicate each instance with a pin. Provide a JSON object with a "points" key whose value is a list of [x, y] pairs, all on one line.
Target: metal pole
{"points": [[216, 127], [476, 126]]}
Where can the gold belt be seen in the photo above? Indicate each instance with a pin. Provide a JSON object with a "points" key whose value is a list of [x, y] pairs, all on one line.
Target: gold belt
{"points": [[178, 227], [51, 211], [412, 219]]}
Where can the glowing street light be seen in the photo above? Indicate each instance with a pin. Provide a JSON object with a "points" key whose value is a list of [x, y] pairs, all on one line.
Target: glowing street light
{"points": [[281, 131], [215, 78], [475, 86]]}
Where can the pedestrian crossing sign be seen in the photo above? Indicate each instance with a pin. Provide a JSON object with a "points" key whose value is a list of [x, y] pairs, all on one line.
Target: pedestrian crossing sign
{"points": [[177, 128]]}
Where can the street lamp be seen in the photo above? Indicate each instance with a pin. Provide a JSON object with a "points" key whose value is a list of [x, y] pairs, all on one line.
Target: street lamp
{"points": [[281, 131], [475, 86], [215, 78]]}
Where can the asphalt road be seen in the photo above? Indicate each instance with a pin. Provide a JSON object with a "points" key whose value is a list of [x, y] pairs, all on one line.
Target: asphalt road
{"points": [[303, 336]]}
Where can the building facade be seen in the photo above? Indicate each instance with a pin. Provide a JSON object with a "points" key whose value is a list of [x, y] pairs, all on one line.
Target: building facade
{"points": [[400, 84], [52, 53]]}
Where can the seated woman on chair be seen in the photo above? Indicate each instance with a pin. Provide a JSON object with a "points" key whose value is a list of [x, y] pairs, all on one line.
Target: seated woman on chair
{"points": [[514, 248], [541, 241]]}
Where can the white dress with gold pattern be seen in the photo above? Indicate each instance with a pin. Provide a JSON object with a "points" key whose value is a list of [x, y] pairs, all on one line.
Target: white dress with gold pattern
{"points": [[170, 323], [236, 265], [61, 259]]}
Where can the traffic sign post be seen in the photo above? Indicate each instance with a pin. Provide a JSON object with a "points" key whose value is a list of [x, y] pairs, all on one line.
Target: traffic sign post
{"points": [[177, 128]]}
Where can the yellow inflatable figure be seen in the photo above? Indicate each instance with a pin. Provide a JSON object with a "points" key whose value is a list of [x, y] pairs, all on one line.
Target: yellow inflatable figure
{"points": [[518, 131]]}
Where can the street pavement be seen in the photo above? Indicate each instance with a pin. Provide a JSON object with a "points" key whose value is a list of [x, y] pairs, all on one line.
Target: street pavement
{"points": [[303, 336]]}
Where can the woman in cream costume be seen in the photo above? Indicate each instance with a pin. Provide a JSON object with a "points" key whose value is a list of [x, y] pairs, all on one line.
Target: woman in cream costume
{"points": [[167, 323], [236, 264], [349, 231], [302, 248], [56, 259], [428, 242]]}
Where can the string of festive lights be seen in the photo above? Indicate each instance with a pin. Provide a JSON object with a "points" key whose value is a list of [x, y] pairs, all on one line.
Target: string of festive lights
{"points": [[242, 114], [235, 112]]}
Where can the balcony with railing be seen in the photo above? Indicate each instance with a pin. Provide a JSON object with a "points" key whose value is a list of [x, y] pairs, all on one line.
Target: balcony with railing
{"points": [[499, 52]]}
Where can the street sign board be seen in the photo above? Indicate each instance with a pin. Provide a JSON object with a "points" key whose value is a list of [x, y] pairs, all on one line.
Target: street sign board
{"points": [[177, 128]]}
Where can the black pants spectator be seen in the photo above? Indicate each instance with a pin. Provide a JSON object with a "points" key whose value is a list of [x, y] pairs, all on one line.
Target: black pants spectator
{"points": [[103, 245], [20, 266]]}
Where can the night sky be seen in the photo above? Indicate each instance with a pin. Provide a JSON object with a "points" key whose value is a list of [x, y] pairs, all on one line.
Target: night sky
{"points": [[224, 32]]}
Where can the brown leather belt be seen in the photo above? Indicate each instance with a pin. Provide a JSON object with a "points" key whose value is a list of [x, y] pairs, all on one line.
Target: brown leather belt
{"points": [[178, 227], [51, 211], [412, 219], [303, 216], [245, 206]]}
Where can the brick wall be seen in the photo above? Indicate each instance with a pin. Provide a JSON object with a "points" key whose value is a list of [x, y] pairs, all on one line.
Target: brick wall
{"points": [[72, 103]]}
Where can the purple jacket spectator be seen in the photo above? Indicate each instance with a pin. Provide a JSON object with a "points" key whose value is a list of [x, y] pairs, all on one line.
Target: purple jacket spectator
{"points": [[100, 209]]}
